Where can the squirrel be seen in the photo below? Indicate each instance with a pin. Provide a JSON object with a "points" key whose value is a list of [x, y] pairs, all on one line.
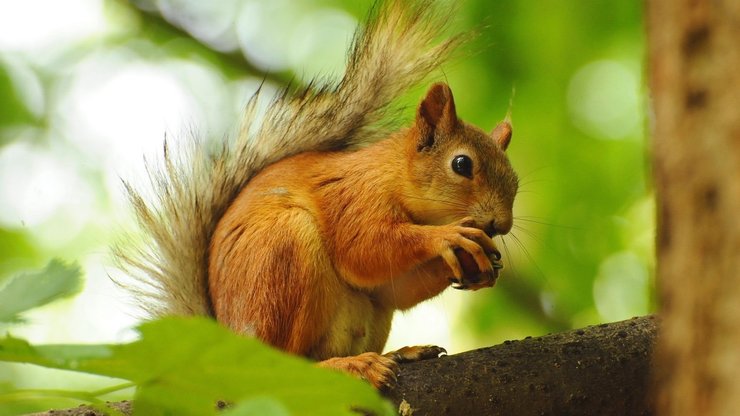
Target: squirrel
{"points": [[318, 220]]}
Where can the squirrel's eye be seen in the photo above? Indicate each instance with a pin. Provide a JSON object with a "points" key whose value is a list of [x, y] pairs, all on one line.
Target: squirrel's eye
{"points": [[463, 165]]}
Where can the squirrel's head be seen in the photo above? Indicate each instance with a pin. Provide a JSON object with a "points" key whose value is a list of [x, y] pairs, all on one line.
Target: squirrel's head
{"points": [[457, 170]]}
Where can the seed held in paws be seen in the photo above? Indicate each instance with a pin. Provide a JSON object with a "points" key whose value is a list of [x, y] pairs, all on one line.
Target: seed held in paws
{"points": [[473, 279]]}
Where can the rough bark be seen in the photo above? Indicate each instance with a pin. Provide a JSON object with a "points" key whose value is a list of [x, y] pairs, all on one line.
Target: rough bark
{"points": [[600, 370], [694, 59]]}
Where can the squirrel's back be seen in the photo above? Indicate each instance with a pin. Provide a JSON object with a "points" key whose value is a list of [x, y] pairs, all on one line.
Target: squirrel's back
{"points": [[193, 184]]}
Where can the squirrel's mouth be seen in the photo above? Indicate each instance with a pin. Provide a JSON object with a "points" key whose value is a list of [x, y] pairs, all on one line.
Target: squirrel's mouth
{"points": [[490, 230]]}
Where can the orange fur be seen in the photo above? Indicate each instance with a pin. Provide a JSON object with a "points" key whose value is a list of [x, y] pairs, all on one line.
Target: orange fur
{"points": [[313, 250], [319, 249]]}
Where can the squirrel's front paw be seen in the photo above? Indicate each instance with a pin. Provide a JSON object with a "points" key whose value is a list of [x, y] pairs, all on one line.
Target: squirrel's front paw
{"points": [[473, 278], [463, 237], [379, 370]]}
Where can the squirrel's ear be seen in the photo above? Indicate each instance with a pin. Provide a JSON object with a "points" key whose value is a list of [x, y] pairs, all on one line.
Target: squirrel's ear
{"points": [[502, 134], [436, 112]]}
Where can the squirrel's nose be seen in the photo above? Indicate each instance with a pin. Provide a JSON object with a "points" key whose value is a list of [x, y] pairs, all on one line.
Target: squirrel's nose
{"points": [[498, 227]]}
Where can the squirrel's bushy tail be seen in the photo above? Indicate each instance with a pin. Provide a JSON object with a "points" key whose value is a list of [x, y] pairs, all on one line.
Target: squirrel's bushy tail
{"points": [[193, 185]]}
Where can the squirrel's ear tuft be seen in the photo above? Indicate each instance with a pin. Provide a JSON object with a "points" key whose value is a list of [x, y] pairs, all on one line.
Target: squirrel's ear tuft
{"points": [[436, 112], [502, 134]]}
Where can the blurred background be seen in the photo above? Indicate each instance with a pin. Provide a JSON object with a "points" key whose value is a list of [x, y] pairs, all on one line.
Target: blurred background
{"points": [[88, 88]]}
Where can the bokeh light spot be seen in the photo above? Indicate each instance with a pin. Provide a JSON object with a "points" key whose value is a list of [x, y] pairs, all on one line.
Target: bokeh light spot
{"points": [[621, 287], [603, 99]]}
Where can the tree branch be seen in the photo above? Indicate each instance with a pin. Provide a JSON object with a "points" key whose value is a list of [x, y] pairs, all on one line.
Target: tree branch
{"points": [[599, 370]]}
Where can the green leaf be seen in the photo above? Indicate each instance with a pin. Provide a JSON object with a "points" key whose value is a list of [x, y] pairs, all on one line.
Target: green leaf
{"points": [[85, 358], [14, 109], [17, 248], [257, 406], [29, 290], [186, 365]]}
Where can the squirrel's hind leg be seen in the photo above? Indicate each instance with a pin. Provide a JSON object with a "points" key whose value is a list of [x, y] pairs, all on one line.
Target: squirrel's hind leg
{"points": [[269, 275]]}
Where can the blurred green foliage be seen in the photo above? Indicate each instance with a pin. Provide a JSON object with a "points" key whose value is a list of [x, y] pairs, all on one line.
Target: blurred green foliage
{"points": [[570, 73], [580, 187], [185, 366], [30, 290], [178, 366]]}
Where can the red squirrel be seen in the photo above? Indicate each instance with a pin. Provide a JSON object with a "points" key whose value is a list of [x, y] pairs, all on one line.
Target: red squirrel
{"points": [[313, 225]]}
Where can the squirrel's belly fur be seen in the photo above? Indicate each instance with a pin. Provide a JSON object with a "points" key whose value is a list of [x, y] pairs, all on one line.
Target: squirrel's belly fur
{"points": [[287, 290]]}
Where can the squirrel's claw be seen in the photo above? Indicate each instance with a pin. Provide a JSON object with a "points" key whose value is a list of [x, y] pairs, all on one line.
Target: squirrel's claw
{"points": [[456, 284]]}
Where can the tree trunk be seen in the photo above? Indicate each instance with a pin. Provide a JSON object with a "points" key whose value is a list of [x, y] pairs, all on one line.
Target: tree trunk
{"points": [[694, 54]]}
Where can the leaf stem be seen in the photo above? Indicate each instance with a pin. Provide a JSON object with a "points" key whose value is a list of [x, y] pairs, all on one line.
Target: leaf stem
{"points": [[85, 396]]}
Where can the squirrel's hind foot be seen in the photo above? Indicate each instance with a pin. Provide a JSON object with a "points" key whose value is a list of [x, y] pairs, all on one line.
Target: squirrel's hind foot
{"points": [[415, 353], [379, 370]]}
